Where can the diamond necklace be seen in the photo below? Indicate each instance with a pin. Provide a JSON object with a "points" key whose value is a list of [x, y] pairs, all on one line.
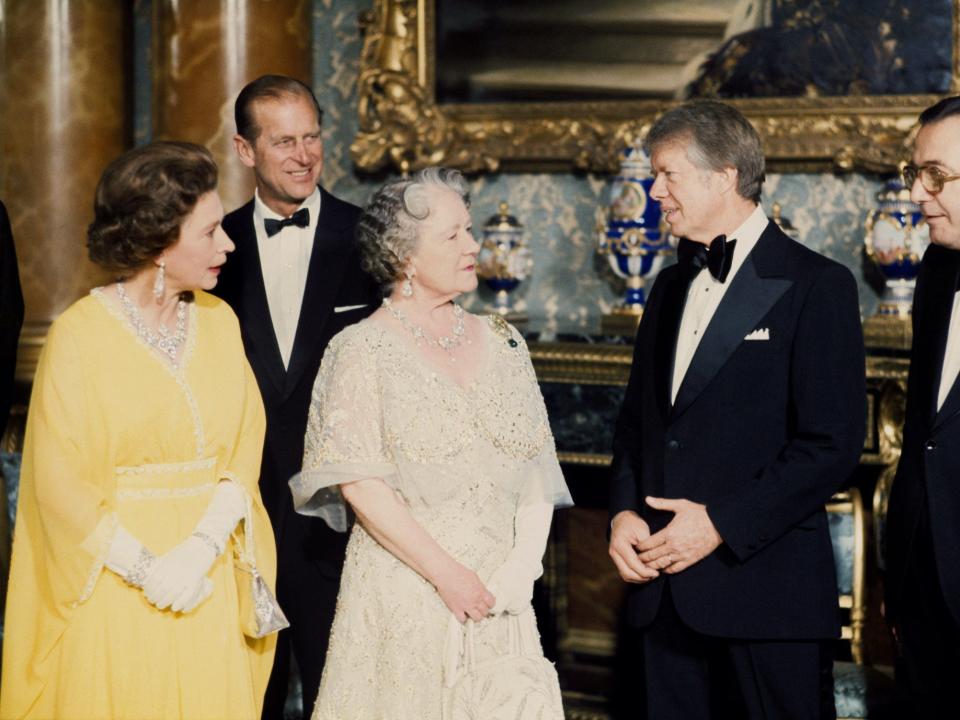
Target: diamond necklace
{"points": [[448, 343], [166, 342]]}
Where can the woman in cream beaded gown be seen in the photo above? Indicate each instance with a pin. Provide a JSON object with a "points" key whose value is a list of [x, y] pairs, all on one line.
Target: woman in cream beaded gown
{"points": [[429, 422]]}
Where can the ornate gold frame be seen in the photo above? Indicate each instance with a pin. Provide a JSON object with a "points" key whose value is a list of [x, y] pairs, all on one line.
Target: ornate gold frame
{"points": [[402, 126]]}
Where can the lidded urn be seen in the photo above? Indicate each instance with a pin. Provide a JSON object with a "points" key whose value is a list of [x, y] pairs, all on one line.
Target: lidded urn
{"points": [[895, 239], [633, 238], [504, 260]]}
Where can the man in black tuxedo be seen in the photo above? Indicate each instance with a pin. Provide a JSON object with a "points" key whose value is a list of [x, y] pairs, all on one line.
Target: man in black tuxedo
{"points": [[923, 519], [11, 315], [744, 413], [295, 281]]}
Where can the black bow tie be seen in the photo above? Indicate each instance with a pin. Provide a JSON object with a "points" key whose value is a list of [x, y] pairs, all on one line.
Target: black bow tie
{"points": [[301, 218], [718, 257]]}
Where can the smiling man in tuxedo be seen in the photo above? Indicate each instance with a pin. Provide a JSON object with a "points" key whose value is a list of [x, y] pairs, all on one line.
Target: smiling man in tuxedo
{"points": [[294, 281], [923, 516], [744, 413]]}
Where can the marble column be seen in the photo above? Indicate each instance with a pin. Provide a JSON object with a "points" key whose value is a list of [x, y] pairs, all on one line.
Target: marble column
{"points": [[204, 53], [63, 113]]}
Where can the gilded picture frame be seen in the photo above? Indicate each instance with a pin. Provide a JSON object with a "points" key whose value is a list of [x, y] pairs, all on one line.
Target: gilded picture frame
{"points": [[402, 127]]}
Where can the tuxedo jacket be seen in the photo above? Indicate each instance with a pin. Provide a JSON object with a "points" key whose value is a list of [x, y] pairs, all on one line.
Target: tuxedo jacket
{"points": [[763, 432], [926, 490], [11, 315], [335, 280]]}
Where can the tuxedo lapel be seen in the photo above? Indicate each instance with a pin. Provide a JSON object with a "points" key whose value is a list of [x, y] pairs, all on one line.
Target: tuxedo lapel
{"points": [[257, 322], [933, 333], [674, 299], [328, 261], [745, 303], [951, 405]]}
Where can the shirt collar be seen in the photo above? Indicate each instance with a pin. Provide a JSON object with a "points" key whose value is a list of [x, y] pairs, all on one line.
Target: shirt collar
{"points": [[747, 235], [262, 212]]}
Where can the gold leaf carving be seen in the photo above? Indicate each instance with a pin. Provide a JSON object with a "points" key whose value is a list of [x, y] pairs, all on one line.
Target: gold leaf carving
{"points": [[402, 126]]}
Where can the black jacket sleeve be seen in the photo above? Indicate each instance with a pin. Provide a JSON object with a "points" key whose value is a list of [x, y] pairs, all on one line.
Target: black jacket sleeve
{"points": [[11, 315]]}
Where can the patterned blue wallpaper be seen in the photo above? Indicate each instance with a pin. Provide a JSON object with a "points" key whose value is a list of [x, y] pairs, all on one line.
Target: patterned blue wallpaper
{"points": [[571, 285]]}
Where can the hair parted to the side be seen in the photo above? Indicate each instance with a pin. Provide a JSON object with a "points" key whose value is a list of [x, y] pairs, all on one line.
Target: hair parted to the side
{"points": [[388, 227], [268, 87], [948, 107], [719, 137], [142, 200]]}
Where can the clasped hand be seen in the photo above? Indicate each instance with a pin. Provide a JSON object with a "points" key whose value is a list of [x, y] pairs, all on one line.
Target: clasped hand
{"points": [[179, 580], [464, 593], [688, 538]]}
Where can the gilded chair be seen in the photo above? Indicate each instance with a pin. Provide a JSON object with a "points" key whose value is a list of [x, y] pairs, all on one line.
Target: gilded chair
{"points": [[861, 692]]}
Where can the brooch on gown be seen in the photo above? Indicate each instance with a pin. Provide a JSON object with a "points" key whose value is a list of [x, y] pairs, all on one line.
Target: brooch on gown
{"points": [[502, 328]]}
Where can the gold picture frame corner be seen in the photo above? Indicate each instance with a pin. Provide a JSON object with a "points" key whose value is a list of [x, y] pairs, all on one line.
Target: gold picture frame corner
{"points": [[402, 125]]}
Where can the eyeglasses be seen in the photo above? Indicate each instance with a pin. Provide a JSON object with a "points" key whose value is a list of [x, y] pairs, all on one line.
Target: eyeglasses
{"points": [[932, 178]]}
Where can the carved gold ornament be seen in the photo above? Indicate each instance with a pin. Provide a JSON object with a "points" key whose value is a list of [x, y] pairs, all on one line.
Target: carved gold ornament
{"points": [[402, 126]]}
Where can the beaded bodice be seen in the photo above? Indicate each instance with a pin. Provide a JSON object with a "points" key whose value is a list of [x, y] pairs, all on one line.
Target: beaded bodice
{"points": [[457, 455]]}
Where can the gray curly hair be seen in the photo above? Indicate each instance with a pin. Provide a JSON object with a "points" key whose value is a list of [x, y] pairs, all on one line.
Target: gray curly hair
{"points": [[389, 225]]}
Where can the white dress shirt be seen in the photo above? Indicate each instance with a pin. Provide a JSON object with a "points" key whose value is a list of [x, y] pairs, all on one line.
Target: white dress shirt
{"points": [[705, 294], [284, 260], [951, 357]]}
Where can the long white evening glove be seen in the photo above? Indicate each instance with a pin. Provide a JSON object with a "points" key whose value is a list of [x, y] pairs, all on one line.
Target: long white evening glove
{"points": [[129, 558], [512, 583], [226, 509], [180, 579]]}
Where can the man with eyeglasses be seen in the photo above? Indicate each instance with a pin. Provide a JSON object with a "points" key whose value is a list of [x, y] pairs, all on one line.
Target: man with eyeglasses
{"points": [[923, 520]]}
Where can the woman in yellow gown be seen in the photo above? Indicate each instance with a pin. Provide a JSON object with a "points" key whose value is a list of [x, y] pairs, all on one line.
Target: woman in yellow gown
{"points": [[139, 475]]}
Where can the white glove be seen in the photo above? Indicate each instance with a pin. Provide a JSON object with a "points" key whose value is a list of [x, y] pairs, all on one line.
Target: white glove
{"points": [[129, 558], [512, 583], [226, 509], [180, 580]]}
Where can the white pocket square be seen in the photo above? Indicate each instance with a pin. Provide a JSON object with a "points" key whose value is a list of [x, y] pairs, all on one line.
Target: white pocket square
{"points": [[759, 334], [347, 308]]}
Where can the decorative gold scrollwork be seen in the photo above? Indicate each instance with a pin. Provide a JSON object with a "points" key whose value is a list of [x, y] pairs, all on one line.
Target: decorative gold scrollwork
{"points": [[401, 124], [890, 417]]}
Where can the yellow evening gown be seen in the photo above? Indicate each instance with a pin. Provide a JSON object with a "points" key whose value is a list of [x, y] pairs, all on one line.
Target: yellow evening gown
{"points": [[116, 434]]}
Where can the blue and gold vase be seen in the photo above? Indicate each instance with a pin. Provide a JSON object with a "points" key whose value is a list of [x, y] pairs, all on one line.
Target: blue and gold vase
{"points": [[504, 260], [633, 239], [896, 238]]}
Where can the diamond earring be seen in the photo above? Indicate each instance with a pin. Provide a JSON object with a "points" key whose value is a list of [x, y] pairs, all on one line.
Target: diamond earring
{"points": [[406, 289], [159, 282]]}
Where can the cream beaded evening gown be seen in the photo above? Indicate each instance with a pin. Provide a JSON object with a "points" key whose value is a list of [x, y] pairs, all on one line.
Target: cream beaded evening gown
{"points": [[461, 459]]}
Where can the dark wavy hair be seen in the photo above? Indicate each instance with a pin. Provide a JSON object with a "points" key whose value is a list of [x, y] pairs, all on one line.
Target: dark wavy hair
{"points": [[268, 87], [142, 200], [947, 107]]}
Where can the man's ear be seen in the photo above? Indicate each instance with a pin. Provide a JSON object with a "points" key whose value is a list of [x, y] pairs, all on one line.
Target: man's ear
{"points": [[244, 150], [729, 178]]}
